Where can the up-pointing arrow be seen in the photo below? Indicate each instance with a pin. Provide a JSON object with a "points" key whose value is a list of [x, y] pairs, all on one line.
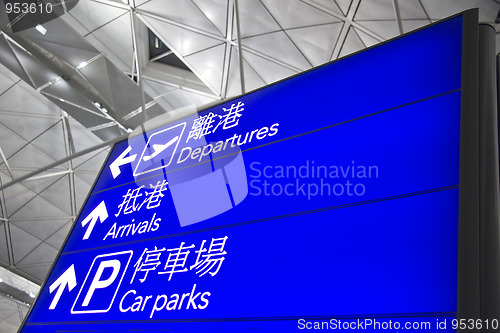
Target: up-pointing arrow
{"points": [[100, 213], [121, 160], [68, 278]]}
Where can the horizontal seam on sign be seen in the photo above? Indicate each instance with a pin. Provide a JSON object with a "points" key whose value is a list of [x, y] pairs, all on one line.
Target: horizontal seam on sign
{"points": [[245, 319], [278, 217], [284, 139]]}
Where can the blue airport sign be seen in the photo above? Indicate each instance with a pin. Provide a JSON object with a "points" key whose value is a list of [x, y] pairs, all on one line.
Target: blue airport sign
{"points": [[331, 194]]}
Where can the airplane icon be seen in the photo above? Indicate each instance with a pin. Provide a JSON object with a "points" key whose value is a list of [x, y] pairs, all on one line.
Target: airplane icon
{"points": [[165, 142], [159, 148]]}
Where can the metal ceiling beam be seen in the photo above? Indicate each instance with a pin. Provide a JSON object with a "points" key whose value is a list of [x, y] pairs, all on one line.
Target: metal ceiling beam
{"points": [[66, 71], [64, 160], [70, 149], [103, 126], [27, 114], [111, 3], [23, 274], [425, 11], [347, 19], [267, 57], [180, 25], [102, 115], [160, 56], [227, 53], [240, 52], [143, 15], [52, 174], [15, 294], [44, 218], [9, 170], [138, 62], [6, 226], [135, 112], [345, 29], [176, 77], [397, 13], [284, 30], [37, 195]]}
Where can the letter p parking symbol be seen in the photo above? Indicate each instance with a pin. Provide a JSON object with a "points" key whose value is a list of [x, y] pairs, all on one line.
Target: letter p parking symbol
{"points": [[102, 283]]}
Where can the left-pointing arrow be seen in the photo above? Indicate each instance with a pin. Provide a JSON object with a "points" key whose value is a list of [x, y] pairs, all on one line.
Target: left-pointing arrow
{"points": [[100, 213], [68, 278], [121, 160]]}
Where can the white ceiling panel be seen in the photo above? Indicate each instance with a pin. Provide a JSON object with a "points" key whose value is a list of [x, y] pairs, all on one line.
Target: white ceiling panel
{"points": [[409, 25], [82, 137], [252, 79], [215, 11], [330, 4], [156, 89], [43, 253], [294, 13], [23, 99], [316, 42], [268, 70], [27, 127], [4, 253], [255, 19], [166, 102], [10, 60], [180, 98], [411, 9], [46, 143], [379, 10], [83, 184], [43, 229], [385, 29], [61, 40], [16, 196], [344, 5], [35, 69], [122, 60], [7, 307], [93, 15], [351, 44], [58, 194], [7, 75], [22, 242], [186, 13], [117, 37], [38, 185], [10, 142], [278, 45], [59, 236], [179, 39], [91, 162], [6, 81], [96, 73], [209, 65], [365, 38], [14, 320], [31, 157], [39, 207], [69, 94], [36, 273]]}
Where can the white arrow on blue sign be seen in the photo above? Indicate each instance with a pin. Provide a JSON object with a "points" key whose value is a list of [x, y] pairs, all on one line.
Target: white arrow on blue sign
{"points": [[68, 278], [100, 212]]}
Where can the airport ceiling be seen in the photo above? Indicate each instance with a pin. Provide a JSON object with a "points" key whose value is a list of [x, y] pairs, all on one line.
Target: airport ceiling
{"points": [[78, 81]]}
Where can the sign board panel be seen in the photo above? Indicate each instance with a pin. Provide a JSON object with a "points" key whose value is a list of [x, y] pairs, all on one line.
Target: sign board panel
{"points": [[330, 196]]}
